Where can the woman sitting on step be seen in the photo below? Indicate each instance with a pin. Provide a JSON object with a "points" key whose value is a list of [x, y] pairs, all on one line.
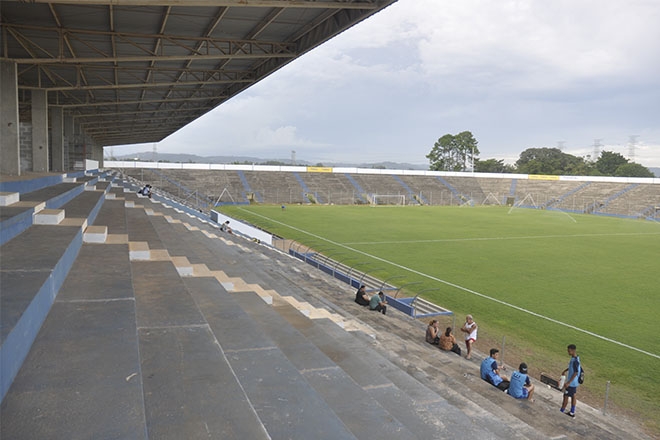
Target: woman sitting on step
{"points": [[432, 332], [448, 342]]}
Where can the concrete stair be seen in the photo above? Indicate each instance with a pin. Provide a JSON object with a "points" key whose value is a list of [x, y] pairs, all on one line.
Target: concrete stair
{"points": [[38, 249]]}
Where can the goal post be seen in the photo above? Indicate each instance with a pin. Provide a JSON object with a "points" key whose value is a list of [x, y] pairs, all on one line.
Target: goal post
{"points": [[388, 199]]}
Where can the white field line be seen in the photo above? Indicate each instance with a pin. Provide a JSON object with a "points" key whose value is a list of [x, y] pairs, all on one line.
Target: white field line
{"points": [[524, 237], [465, 289]]}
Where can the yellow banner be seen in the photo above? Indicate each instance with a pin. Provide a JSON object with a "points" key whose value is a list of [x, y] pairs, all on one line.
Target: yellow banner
{"points": [[319, 169], [542, 177]]}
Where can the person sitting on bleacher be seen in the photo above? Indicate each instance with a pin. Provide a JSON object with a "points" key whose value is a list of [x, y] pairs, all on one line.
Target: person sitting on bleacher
{"points": [[448, 342], [432, 332], [226, 228], [378, 303], [521, 387], [490, 371], [146, 191], [361, 296]]}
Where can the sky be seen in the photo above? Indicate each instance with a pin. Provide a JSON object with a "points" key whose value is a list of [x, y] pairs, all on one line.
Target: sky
{"points": [[516, 73]]}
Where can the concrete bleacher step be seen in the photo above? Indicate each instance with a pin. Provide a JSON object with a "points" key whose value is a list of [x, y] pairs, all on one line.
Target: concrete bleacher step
{"points": [[424, 412], [286, 403], [82, 378], [365, 417], [35, 262], [49, 217], [22, 214], [9, 198], [190, 389], [34, 265], [95, 234]]}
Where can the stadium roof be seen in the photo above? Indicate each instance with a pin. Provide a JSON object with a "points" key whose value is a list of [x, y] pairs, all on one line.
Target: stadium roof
{"points": [[135, 71]]}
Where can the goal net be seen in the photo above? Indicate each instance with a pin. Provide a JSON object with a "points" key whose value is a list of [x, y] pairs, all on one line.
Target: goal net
{"points": [[388, 199]]}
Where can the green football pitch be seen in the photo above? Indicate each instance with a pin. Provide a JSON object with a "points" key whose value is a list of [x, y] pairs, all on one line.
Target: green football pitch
{"points": [[541, 279]]}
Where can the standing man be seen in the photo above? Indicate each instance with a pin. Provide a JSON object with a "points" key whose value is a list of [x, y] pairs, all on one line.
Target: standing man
{"points": [[572, 374], [470, 330]]}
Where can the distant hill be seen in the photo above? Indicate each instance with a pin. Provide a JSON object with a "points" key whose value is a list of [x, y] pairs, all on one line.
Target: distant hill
{"points": [[193, 158], [655, 171]]}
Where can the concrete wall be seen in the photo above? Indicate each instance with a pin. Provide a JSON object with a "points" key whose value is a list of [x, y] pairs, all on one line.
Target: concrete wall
{"points": [[25, 140]]}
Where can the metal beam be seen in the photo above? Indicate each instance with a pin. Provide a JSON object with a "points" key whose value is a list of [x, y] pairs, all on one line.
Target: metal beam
{"points": [[209, 31], [145, 101], [97, 115], [101, 122], [309, 4], [134, 86], [137, 59], [140, 45]]}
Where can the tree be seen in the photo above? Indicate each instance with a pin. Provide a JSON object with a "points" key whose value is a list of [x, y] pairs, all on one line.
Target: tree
{"points": [[633, 169], [609, 162], [549, 161], [492, 166], [453, 152]]}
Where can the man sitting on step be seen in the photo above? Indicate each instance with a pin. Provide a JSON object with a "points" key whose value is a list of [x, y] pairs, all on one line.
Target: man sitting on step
{"points": [[490, 371], [378, 303], [361, 296], [226, 228]]}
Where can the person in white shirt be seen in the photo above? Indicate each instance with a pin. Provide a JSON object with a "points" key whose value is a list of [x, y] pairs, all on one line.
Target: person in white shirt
{"points": [[470, 330]]}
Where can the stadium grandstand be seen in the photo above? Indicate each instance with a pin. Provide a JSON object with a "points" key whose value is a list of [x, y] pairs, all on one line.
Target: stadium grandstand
{"points": [[207, 185], [135, 317]]}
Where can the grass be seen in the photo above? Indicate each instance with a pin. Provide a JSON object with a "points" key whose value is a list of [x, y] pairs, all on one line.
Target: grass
{"points": [[597, 274]]}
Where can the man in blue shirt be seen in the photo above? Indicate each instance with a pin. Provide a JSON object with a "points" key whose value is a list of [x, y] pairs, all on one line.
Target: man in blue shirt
{"points": [[521, 387], [572, 374], [378, 303], [490, 371]]}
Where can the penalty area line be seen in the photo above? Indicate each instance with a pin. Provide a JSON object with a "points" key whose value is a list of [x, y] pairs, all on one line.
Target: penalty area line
{"points": [[456, 286], [522, 237]]}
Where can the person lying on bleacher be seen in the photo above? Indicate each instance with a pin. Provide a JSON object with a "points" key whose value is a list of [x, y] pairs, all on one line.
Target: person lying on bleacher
{"points": [[490, 371], [378, 303], [361, 296]]}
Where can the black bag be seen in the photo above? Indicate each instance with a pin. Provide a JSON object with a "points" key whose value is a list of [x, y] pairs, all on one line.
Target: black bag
{"points": [[581, 375]]}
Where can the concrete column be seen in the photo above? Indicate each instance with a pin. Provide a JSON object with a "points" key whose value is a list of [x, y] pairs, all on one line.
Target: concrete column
{"points": [[10, 149], [97, 154], [39, 130], [57, 135], [69, 140]]}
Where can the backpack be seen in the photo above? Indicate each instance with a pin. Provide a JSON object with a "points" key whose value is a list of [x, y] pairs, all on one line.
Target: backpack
{"points": [[581, 374]]}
